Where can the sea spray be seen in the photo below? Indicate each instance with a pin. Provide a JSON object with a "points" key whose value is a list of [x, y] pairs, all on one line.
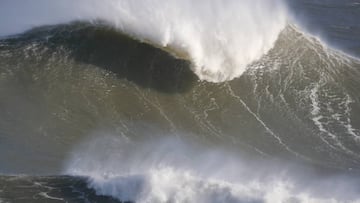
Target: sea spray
{"points": [[174, 170], [221, 38]]}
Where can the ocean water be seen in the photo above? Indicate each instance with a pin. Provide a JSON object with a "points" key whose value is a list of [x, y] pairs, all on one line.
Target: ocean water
{"points": [[180, 101]]}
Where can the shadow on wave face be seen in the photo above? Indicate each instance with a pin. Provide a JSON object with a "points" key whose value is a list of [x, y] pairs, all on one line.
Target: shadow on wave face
{"points": [[104, 47]]}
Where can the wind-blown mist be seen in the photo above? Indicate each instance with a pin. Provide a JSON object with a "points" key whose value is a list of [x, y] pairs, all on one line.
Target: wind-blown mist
{"points": [[172, 170], [220, 37]]}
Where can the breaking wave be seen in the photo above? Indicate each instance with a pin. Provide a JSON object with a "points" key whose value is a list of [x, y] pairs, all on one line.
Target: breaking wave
{"points": [[296, 100], [171, 170], [220, 37]]}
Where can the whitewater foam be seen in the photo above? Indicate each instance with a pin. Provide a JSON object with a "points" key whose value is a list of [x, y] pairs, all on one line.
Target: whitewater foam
{"points": [[221, 38], [170, 170]]}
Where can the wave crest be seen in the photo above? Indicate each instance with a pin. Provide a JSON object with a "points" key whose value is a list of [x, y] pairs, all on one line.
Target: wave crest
{"points": [[220, 37]]}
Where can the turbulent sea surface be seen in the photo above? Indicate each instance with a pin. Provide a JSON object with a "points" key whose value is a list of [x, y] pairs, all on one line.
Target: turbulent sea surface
{"points": [[180, 101]]}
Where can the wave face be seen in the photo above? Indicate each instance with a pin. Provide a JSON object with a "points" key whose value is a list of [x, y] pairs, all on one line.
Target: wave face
{"points": [[220, 38], [113, 109], [291, 116]]}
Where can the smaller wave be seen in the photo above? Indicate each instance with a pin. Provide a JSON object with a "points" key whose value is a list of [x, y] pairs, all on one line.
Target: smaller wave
{"points": [[170, 170]]}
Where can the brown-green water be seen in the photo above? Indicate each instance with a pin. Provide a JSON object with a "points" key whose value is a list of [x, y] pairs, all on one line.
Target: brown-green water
{"points": [[88, 113]]}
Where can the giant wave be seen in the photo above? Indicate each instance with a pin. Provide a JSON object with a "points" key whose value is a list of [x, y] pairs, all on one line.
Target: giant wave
{"points": [[295, 98]]}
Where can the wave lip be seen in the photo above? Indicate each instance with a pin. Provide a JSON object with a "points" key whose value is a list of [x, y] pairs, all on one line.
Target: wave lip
{"points": [[220, 37]]}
